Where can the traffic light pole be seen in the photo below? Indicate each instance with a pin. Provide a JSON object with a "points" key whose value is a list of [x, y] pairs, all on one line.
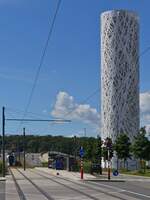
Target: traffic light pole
{"points": [[3, 141], [99, 153], [24, 149], [18, 149], [108, 164]]}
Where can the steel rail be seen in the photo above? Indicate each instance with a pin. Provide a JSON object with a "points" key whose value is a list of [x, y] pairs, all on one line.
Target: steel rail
{"points": [[36, 186], [19, 190], [81, 184]]}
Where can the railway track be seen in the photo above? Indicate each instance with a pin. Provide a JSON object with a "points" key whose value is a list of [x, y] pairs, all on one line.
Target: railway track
{"points": [[85, 185], [20, 192], [67, 186], [57, 179]]}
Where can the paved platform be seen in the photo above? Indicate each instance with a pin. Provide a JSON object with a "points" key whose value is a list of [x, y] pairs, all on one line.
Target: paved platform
{"points": [[66, 174], [89, 177], [2, 178], [44, 183], [11, 191]]}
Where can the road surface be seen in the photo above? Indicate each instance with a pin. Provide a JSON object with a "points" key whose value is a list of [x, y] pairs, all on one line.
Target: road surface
{"points": [[35, 184]]}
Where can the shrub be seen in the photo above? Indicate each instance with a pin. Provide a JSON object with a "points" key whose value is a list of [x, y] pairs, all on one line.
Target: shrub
{"points": [[87, 167]]}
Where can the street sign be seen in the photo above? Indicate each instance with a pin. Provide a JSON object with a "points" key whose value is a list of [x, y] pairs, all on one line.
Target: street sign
{"points": [[81, 153], [115, 172]]}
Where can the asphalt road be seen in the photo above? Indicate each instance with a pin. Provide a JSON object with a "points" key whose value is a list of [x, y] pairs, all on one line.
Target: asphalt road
{"points": [[39, 185], [138, 189]]}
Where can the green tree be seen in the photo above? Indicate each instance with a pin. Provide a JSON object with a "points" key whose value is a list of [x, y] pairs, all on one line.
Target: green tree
{"points": [[90, 149], [98, 153], [141, 147], [122, 147]]}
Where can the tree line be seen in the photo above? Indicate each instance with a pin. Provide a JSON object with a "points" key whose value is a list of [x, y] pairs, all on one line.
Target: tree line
{"points": [[41, 144], [94, 148], [139, 148]]}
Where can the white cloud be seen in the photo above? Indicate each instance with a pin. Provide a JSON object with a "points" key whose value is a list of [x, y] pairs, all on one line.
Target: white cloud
{"points": [[66, 107], [145, 102], [148, 128], [145, 110]]}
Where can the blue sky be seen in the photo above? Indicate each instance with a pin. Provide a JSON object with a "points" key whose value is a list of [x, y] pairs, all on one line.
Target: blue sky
{"points": [[71, 68]]}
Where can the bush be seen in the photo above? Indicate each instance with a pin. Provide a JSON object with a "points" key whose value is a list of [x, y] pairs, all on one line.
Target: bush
{"points": [[44, 164], [75, 167], [87, 166]]}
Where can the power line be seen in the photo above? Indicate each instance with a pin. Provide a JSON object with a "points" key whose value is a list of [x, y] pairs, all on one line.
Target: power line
{"points": [[144, 51], [84, 101], [38, 120], [98, 90], [41, 61]]}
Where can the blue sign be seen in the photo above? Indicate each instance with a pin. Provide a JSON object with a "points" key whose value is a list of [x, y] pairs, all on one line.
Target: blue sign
{"points": [[81, 153], [115, 172]]}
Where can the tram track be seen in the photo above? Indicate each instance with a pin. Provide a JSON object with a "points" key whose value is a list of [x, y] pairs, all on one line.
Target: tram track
{"points": [[68, 187], [20, 192], [85, 185], [57, 179]]}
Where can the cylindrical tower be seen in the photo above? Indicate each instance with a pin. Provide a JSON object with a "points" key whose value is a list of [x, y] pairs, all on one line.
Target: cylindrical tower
{"points": [[119, 73]]}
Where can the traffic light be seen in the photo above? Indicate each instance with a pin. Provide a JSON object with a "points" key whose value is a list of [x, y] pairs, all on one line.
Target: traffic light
{"points": [[108, 142], [109, 146]]}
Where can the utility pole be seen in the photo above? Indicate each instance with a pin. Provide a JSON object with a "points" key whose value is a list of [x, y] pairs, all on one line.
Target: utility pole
{"points": [[18, 148], [3, 140], [24, 149], [75, 147]]}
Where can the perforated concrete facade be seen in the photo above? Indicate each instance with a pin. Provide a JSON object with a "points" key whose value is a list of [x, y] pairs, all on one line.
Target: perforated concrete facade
{"points": [[119, 73]]}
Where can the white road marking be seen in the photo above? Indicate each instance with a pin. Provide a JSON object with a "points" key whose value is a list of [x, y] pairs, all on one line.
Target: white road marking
{"points": [[119, 191], [128, 191]]}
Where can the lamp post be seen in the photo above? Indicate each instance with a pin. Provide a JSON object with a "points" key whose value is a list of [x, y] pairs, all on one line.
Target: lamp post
{"points": [[24, 149], [3, 141]]}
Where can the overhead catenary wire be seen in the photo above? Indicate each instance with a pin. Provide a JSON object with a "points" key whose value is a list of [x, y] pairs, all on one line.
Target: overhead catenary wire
{"points": [[41, 62], [98, 89], [85, 100], [43, 115], [42, 59]]}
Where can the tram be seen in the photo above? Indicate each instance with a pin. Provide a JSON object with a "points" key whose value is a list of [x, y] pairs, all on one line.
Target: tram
{"points": [[11, 159]]}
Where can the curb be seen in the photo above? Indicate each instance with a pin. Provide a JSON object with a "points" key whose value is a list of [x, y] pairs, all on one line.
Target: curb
{"points": [[136, 176], [2, 179], [105, 180]]}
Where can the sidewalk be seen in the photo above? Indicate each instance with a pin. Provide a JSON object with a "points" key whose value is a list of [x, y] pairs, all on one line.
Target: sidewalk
{"points": [[126, 177], [76, 175], [10, 189], [89, 177], [66, 174], [2, 179]]}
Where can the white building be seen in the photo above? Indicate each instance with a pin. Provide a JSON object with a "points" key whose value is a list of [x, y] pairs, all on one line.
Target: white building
{"points": [[119, 73]]}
